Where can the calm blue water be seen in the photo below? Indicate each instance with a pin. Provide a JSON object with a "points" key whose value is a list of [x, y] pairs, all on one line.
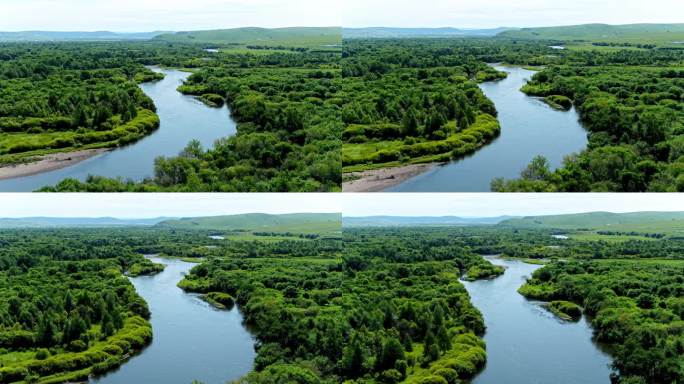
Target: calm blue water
{"points": [[182, 118], [526, 344], [192, 340], [529, 128]]}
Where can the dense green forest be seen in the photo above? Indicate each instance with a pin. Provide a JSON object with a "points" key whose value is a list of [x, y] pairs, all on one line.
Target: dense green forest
{"points": [[630, 101], [61, 97], [634, 115], [323, 309], [66, 310], [388, 101], [286, 104], [56, 98], [417, 100], [356, 310], [630, 285], [412, 101], [367, 305], [636, 307]]}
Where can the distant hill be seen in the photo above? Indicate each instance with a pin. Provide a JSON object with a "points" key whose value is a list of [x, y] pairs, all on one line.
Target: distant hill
{"points": [[669, 222], [296, 223], [630, 33], [406, 221], [290, 37], [75, 222], [384, 32], [76, 36]]}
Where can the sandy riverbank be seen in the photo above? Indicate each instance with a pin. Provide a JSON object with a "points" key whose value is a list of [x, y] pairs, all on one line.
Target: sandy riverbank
{"points": [[48, 163], [377, 180]]}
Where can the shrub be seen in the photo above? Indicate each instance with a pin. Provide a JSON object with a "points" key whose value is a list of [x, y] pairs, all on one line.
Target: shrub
{"points": [[212, 100], [42, 354]]}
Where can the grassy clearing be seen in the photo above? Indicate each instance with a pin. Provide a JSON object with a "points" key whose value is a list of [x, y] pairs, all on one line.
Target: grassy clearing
{"points": [[286, 224], [386, 154], [593, 236], [22, 147], [286, 37]]}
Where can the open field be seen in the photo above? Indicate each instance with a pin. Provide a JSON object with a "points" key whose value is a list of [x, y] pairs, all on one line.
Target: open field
{"points": [[287, 37], [661, 34]]}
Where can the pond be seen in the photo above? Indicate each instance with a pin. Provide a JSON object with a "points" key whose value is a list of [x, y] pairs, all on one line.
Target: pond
{"points": [[529, 127], [192, 339], [526, 344], [182, 119]]}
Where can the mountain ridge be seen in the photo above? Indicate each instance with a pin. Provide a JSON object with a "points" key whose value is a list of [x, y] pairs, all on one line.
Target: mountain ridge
{"points": [[76, 222], [47, 36], [392, 32], [405, 221]]}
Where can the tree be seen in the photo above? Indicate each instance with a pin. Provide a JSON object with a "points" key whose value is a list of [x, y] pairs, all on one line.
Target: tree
{"points": [[538, 169], [392, 350], [434, 123], [353, 358], [410, 123], [443, 339]]}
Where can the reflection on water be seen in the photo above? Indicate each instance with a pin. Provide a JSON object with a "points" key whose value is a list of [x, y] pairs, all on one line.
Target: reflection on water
{"points": [[192, 340], [526, 344]]}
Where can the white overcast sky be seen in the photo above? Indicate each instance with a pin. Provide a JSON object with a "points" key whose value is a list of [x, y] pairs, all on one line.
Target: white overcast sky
{"points": [[148, 15], [173, 15], [126, 205], [507, 13], [493, 204]]}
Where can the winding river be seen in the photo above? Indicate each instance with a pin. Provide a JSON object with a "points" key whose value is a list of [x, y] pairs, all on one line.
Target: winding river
{"points": [[526, 344], [529, 128], [182, 118], [192, 340]]}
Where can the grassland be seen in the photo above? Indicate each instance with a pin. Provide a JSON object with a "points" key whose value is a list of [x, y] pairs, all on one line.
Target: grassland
{"points": [[240, 37], [644, 222], [304, 223], [391, 153], [594, 236], [21, 147], [660, 34]]}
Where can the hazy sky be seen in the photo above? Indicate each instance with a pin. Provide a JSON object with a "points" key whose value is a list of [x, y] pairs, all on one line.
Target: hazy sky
{"points": [[493, 204], [509, 13], [126, 205], [175, 15], [148, 15]]}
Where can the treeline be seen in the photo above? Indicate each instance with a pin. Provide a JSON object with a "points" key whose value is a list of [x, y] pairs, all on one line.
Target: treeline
{"points": [[637, 308], [622, 45], [278, 48], [540, 244], [288, 234], [632, 233]]}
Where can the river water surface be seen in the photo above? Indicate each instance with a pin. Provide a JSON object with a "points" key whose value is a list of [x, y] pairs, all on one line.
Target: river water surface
{"points": [[182, 118], [529, 128], [526, 344], [192, 340]]}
